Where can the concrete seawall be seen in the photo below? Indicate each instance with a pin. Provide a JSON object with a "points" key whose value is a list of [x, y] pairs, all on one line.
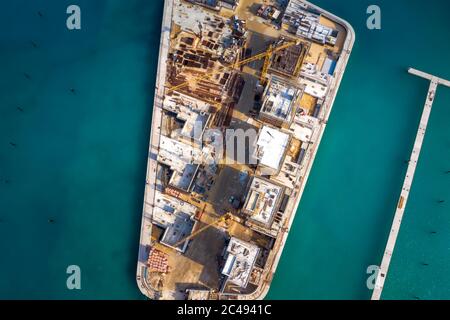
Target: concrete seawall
{"points": [[149, 194]]}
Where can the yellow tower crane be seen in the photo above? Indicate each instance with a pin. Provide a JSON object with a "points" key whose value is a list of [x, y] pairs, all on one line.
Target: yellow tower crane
{"points": [[266, 54], [223, 218]]}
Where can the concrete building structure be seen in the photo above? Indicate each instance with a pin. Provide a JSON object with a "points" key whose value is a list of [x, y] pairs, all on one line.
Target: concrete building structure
{"points": [[279, 102], [239, 261], [262, 201], [305, 22], [176, 217], [216, 4], [288, 62], [270, 149], [176, 233]]}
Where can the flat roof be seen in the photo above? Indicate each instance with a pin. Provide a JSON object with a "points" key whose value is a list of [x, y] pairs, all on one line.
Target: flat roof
{"points": [[193, 112], [272, 145], [197, 20], [301, 132], [306, 23], [171, 204], [183, 180], [310, 70], [166, 208], [177, 154], [262, 200], [314, 89], [195, 125], [241, 257], [177, 100], [197, 294], [279, 98], [177, 231]]}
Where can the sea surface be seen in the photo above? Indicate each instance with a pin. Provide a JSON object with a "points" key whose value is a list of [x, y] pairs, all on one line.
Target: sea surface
{"points": [[75, 111]]}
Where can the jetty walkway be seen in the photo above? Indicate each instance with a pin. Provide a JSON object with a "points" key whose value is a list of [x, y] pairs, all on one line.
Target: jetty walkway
{"points": [[382, 272]]}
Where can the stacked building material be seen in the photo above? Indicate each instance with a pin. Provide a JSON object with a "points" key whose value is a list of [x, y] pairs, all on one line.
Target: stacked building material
{"points": [[157, 261]]}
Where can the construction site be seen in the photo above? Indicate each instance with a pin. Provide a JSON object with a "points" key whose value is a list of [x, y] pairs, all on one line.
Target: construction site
{"points": [[214, 224]]}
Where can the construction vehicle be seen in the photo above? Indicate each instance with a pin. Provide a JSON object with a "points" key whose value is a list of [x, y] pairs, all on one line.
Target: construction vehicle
{"points": [[262, 79], [226, 217]]}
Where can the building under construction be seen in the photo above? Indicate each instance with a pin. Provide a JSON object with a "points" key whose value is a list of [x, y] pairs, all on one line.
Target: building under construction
{"points": [[262, 202], [279, 102], [288, 62], [203, 44]]}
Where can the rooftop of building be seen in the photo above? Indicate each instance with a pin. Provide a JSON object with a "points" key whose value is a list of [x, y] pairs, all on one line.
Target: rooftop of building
{"points": [[177, 154], [198, 294], [167, 207], [271, 147], [176, 232], [183, 180], [240, 260], [192, 116], [279, 99], [197, 20], [314, 88], [310, 70], [301, 132], [176, 101], [289, 60], [305, 22], [262, 200], [194, 125]]}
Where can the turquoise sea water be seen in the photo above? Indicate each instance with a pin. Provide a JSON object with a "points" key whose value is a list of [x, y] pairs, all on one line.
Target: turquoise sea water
{"points": [[80, 158]]}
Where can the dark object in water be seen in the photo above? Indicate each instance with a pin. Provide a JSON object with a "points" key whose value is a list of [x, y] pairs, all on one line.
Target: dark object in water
{"points": [[40, 14], [433, 232], [416, 297], [20, 109], [13, 144], [441, 201], [72, 90], [51, 220], [424, 264], [34, 44], [26, 75]]}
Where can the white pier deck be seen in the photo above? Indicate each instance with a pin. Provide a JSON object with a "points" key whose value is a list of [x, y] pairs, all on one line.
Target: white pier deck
{"points": [[382, 273]]}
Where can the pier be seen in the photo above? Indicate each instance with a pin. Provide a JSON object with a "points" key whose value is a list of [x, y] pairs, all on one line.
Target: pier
{"points": [[398, 217]]}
